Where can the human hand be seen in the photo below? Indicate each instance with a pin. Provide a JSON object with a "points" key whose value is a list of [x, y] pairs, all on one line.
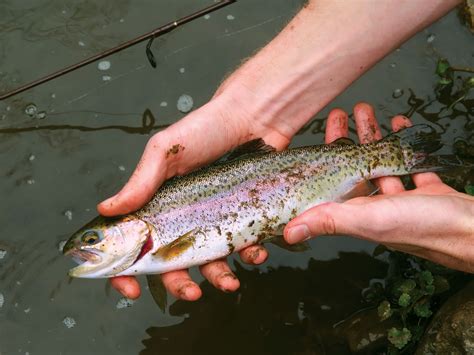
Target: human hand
{"points": [[199, 138], [433, 221]]}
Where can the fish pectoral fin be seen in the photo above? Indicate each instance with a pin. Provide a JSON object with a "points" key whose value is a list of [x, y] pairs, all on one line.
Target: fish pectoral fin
{"points": [[177, 246], [279, 241], [363, 188], [342, 141], [158, 291]]}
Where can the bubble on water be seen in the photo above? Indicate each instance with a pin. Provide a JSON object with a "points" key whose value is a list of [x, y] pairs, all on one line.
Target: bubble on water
{"points": [[106, 77], [121, 20], [68, 214], [69, 322], [121, 168], [2, 300], [41, 115], [163, 104], [185, 103], [207, 17], [393, 65], [8, 108], [31, 110], [82, 44], [124, 303], [3, 254], [31, 157], [397, 93], [325, 307], [53, 95], [30, 181], [430, 38], [230, 17], [27, 310], [61, 245], [182, 70], [104, 65]]}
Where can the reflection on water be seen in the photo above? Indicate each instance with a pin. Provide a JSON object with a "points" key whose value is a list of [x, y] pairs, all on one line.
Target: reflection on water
{"points": [[54, 170], [282, 311]]}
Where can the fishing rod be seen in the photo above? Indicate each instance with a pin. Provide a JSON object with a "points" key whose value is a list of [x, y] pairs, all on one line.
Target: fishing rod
{"points": [[150, 36]]}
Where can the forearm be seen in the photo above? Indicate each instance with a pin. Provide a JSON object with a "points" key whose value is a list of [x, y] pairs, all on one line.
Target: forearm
{"points": [[327, 46]]}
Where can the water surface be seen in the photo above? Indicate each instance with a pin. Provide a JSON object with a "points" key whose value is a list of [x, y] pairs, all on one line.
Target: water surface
{"points": [[55, 170]]}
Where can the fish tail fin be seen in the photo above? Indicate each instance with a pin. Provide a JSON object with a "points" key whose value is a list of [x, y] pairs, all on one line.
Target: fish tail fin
{"points": [[417, 143]]}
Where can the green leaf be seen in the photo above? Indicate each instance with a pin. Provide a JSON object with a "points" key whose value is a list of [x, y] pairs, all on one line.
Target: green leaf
{"points": [[399, 337], [416, 332], [384, 310], [429, 289], [469, 189], [442, 67], [441, 284], [426, 277], [469, 83], [404, 300], [423, 310], [444, 81], [407, 286]]}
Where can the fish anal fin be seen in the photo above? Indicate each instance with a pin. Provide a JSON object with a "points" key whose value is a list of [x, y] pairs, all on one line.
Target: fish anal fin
{"points": [[177, 246], [158, 291], [363, 188]]}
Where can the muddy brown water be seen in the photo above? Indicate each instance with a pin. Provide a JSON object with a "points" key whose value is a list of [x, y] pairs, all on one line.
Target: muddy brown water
{"points": [[55, 169]]}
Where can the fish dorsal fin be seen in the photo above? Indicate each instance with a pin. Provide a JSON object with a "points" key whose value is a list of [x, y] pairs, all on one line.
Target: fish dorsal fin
{"points": [[255, 146], [177, 246], [158, 291], [363, 188], [343, 141]]}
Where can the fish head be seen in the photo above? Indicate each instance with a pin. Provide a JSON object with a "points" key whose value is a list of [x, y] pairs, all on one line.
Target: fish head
{"points": [[107, 246]]}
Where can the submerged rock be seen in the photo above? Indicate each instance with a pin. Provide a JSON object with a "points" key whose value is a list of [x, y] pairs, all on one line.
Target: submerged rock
{"points": [[452, 329], [365, 332]]}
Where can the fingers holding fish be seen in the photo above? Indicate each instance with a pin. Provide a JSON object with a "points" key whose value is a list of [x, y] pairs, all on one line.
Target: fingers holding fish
{"points": [[219, 274], [181, 286], [368, 131], [145, 180], [255, 254], [366, 124], [336, 126], [128, 286]]}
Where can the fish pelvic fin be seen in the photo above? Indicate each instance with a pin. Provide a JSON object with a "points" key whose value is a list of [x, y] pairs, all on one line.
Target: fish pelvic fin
{"points": [[363, 188], [177, 246], [158, 291]]}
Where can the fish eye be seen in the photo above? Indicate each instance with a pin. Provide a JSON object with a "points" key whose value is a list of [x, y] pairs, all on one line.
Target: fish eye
{"points": [[90, 237]]}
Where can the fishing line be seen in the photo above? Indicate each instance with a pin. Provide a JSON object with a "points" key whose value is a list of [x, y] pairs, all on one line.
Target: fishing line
{"points": [[147, 36]]}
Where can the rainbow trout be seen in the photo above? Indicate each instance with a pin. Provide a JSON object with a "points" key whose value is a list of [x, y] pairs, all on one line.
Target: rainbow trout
{"points": [[223, 208]]}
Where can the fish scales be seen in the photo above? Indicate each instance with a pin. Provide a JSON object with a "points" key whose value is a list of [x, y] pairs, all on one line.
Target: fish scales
{"points": [[208, 214]]}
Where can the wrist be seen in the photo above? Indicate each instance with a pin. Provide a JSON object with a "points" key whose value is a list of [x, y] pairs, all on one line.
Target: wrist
{"points": [[322, 51]]}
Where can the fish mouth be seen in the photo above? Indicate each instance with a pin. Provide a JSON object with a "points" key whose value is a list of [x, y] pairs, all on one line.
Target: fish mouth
{"points": [[83, 256]]}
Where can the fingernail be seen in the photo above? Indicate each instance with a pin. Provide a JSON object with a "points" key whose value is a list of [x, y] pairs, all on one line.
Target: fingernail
{"points": [[297, 233]]}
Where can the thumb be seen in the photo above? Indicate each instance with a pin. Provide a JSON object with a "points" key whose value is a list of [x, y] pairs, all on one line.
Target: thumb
{"points": [[145, 180], [329, 219]]}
